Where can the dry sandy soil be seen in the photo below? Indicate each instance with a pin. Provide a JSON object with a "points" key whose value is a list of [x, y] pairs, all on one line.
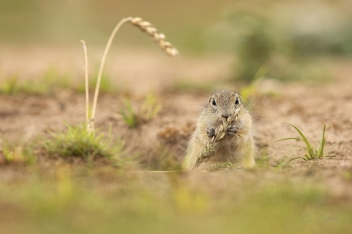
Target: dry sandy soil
{"points": [[161, 143]]}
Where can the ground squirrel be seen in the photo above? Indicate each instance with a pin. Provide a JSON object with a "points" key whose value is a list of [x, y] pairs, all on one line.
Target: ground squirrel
{"points": [[236, 146]]}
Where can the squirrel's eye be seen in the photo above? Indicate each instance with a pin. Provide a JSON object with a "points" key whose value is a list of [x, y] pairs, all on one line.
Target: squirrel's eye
{"points": [[237, 101], [213, 102]]}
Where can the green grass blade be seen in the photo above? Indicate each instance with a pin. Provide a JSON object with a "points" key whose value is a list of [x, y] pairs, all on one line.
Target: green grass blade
{"points": [[309, 146], [295, 159], [289, 138], [322, 144], [329, 151]]}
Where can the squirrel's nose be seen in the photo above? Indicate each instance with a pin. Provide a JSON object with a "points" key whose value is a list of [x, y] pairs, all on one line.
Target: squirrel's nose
{"points": [[225, 116]]}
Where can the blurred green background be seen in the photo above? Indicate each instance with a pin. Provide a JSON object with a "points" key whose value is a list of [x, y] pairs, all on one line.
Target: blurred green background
{"points": [[278, 39], [65, 22], [310, 26]]}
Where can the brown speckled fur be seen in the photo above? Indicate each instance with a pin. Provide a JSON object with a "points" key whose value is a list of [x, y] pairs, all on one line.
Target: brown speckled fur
{"points": [[237, 149]]}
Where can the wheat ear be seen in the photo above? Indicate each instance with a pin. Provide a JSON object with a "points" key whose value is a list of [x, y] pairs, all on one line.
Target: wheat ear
{"points": [[220, 133], [89, 127], [144, 26], [155, 34]]}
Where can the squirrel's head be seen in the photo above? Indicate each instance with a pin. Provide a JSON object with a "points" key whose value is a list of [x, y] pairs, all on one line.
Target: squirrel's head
{"points": [[224, 103]]}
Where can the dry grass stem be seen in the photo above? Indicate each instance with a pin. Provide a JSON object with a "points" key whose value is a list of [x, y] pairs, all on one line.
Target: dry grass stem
{"points": [[144, 26], [156, 35], [100, 73], [220, 133], [89, 127]]}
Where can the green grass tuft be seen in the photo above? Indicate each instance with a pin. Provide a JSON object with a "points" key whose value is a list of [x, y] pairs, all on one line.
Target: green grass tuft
{"points": [[129, 116], [46, 84], [51, 81], [77, 142], [9, 85], [149, 109], [21, 154], [312, 152]]}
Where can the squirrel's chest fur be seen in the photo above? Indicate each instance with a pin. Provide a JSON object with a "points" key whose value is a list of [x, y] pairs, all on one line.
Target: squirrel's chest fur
{"points": [[231, 148]]}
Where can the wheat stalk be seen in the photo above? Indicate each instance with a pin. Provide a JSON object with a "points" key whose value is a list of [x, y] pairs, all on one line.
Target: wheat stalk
{"points": [[89, 127], [100, 73], [144, 26], [220, 133]]}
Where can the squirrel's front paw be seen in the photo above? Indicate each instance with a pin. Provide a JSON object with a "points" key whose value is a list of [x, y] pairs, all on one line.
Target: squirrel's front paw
{"points": [[210, 132], [232, 130]]}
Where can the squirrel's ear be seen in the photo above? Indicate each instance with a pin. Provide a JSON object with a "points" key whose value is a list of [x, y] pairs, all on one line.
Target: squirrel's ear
{"points": [[209, 99]]}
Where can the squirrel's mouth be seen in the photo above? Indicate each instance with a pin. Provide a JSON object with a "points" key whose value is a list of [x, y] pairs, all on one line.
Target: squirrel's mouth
{"points": [[234, 116]]}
